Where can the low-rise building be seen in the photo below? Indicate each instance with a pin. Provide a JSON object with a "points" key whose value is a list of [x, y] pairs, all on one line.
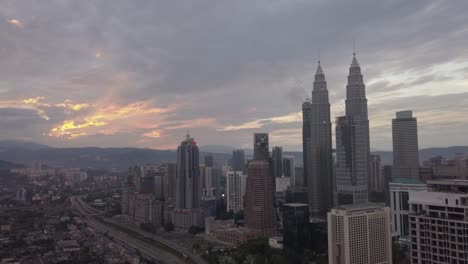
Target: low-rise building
{"points": [[183, 219]]}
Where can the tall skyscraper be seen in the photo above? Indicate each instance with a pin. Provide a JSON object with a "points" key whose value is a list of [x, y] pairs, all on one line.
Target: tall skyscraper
{"points": [[259, 210], [352, 142], [439, 222], [320, 162], [209, 162], [359, 234], [238, 160], [261, 146], [187, 212], [235, 190], [289, 169], [405, 146], [306, 108], [206, 179], [299, 176], [296, 236], [277, 159], [376, 176], [188, 173]]}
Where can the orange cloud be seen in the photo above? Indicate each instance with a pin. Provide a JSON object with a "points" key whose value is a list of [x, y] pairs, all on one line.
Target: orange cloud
{"points": [[153, 134], [15, 22], [35, 101], [70, 129], [109, 120], [67, 104]]}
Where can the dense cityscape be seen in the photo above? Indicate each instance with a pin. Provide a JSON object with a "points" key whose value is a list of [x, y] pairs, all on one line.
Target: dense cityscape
{"points": [[341, 199], [340, 206]]}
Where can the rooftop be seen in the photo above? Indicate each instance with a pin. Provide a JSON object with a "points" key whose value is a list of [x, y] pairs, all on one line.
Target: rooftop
{"points": [[295, 204], [357, 207], [406, 181], [448, 182]]}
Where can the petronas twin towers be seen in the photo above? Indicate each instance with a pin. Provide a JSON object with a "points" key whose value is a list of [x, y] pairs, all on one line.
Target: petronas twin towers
{"points": [[349, 186]]}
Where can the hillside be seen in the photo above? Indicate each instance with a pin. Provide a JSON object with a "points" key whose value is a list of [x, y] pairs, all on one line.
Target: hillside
{"points": [[122, 158], [5, 165]]}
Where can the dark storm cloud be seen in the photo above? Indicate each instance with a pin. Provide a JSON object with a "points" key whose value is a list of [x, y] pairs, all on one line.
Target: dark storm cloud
{"points": [[225, 63], [21, 124]]}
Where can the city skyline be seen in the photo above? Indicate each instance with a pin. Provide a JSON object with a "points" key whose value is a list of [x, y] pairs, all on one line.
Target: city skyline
{"points": [[140, 83]]}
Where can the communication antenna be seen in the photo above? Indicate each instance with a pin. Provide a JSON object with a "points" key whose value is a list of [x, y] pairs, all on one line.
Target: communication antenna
{"points": [[354, 48]]}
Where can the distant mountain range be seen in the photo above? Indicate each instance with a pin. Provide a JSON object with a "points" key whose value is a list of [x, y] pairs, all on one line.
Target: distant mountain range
{"points": [[23, 152], [92, 157], [5, 165], [424, 154]]}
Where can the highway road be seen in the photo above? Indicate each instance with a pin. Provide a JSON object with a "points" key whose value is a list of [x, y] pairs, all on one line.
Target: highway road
{"points": [[146, 242]]}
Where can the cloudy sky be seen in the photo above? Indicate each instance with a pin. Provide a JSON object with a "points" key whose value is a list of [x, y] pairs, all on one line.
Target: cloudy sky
{"points": [[143, 73]]}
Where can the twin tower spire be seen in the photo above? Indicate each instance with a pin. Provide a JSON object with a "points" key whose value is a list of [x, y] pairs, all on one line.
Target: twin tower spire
{"points": [[317, 142], [319, 72]]}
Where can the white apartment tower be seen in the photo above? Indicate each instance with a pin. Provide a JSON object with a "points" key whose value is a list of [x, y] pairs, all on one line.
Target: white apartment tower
{"points": [[399, 197], [439, 223], [235, 185], [359, 234]]}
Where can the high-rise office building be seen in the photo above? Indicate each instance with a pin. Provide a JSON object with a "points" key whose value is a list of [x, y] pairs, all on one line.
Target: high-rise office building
{"points": [[188, 173], [299, 176], [289, 169], [235, 191], [376, 180], [261, 146], [159, 185], [259, 209], [405, 146], [207, 189], [306, 108], [352, 142], [169, 171], [277, 161], [187, 211], [238, 160], [439, 222], [387, 177], [359, 234], [295, 219], [320, 164], [209, 161]]}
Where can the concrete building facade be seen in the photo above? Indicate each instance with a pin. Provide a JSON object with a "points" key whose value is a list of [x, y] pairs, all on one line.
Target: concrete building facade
{"points": [[439, 223], [359, 234], [235, 191], [399, 198], [405, 146], [260, 215]]}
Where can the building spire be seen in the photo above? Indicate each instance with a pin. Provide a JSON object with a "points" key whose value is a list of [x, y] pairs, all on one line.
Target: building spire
{"points": [[354, 63], [319, 69]]}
